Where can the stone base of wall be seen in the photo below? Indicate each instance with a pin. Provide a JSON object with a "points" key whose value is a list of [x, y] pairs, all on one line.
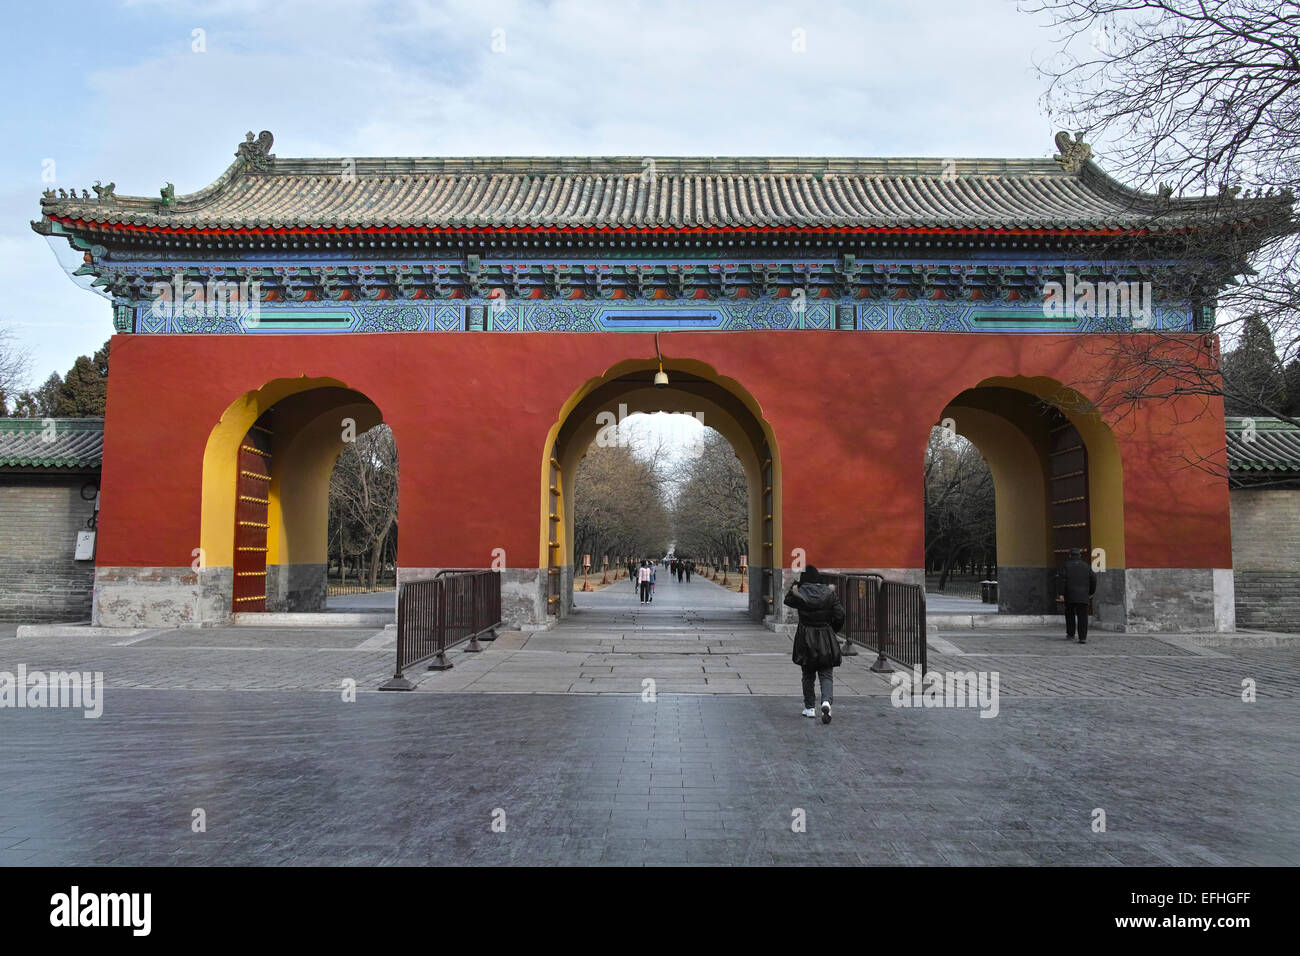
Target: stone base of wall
{"points": [[162, 597], [297, 588], [1268, 600], [1177, 599], [755, 585], [45, 590], [1027, 590], [1131, 599]]}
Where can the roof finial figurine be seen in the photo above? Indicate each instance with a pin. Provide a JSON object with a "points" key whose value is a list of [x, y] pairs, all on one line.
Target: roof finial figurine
{"points": [[103, 193], [256, 154], [168, 195], [1074, 152]]}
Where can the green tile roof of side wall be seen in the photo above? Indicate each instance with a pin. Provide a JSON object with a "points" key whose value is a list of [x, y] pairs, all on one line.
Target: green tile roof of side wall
{"points": [[1259, 447], [51, 442]]}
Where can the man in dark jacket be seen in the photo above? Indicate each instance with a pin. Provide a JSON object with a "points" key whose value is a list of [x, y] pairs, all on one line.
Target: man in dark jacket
{"points": [[821, 614], [1075, 585]]}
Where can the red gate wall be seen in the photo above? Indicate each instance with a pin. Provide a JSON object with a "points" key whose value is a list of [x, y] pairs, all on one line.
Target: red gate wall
{"points": [[850, 413]]}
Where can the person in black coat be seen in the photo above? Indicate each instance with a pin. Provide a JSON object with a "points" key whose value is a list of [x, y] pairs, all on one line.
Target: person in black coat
{"points": [[821, 614], [1076, 583]]}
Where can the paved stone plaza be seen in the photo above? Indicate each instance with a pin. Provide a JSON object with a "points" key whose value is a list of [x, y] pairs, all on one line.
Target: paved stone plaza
{"points": [[550, 733]]}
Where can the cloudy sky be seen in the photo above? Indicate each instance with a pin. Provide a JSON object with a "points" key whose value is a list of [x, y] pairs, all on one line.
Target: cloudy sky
{"points": [[142, 92]]}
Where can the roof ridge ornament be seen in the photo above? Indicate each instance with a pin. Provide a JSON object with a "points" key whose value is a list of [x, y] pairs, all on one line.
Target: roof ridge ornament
{"points": [[256, 153], [1074, 152]]}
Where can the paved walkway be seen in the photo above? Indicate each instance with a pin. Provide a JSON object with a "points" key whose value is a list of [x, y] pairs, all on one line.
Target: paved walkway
{"points": [[552, 731]]}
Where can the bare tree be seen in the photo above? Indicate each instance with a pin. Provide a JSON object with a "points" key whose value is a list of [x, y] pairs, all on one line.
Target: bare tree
{"points": [[15, 367], [363, 494], [960, 519], [711, 502], [618, 507], [1196, 96]]}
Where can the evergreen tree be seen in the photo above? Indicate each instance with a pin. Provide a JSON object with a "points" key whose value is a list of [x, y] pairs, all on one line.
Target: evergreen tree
{"points": [[40, 403], [83, 393], [1253, 381], [1291, 377]]}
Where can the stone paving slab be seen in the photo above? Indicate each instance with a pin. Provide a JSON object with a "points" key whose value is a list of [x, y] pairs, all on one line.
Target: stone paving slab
{"points": [[293, 778]]}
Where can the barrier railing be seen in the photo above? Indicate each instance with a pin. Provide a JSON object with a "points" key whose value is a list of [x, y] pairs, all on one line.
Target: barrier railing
{"points": [[902, 623], [455, 606], [887, 617]]}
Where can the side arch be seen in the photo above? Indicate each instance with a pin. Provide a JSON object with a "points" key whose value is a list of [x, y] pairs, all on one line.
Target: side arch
{"points": [[305, 441]]}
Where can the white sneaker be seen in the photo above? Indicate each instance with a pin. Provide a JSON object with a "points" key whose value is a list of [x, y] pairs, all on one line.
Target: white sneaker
{"points": [[826, 712], [809, 712]]}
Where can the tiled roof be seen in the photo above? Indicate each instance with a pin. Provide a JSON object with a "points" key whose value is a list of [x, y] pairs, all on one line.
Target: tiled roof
{"points": [[631, 193], [1262, 448], [51, 442]]}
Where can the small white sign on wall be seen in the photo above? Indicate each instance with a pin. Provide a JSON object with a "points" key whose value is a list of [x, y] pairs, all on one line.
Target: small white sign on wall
{"points": [[85, 546]]}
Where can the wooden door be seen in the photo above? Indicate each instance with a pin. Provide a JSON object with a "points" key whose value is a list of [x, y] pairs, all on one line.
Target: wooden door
{"points": [[252, 510], [1068, 491]]}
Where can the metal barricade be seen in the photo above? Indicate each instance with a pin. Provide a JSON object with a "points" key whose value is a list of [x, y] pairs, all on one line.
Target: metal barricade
{"points": [[456, 606], [886, 617], [902, 623]]}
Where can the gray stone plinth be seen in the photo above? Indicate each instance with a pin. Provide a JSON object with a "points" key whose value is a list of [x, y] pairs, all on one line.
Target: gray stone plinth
{"points": [[1178, 599], [295, 588], [161, 597], [1026, 590]]}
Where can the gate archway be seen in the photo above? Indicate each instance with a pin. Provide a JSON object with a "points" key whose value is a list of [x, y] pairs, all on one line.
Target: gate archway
{"points": [[694, 388], [265, 499], [1058, 484]]}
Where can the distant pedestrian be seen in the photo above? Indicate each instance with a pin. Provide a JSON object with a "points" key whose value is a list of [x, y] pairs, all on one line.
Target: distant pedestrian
{"points": [[816, 650], [689, 565], [1076, 583], [654, 573], [643, 581]]}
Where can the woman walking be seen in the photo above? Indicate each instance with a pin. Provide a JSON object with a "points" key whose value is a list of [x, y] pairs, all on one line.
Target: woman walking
{"points": [[816, 650]]}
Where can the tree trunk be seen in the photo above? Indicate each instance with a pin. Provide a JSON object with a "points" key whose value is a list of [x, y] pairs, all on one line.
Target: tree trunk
{"points": [[947, 567], [376, 557]]}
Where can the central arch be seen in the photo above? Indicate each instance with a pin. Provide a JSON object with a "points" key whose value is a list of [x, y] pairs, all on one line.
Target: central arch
{"points": [[695, 388]]}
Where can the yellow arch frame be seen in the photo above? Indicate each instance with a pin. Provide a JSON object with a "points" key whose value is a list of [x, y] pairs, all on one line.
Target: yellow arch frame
{"points": [[1021, 496], [310, 438]]}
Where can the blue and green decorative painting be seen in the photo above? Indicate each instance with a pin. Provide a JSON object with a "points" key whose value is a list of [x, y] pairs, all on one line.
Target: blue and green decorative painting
{"points": [[588, 316]]}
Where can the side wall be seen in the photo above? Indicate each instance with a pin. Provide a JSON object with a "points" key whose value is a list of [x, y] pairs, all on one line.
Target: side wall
{"points": [[1266, 557], [850, 413], [40, 516]]}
